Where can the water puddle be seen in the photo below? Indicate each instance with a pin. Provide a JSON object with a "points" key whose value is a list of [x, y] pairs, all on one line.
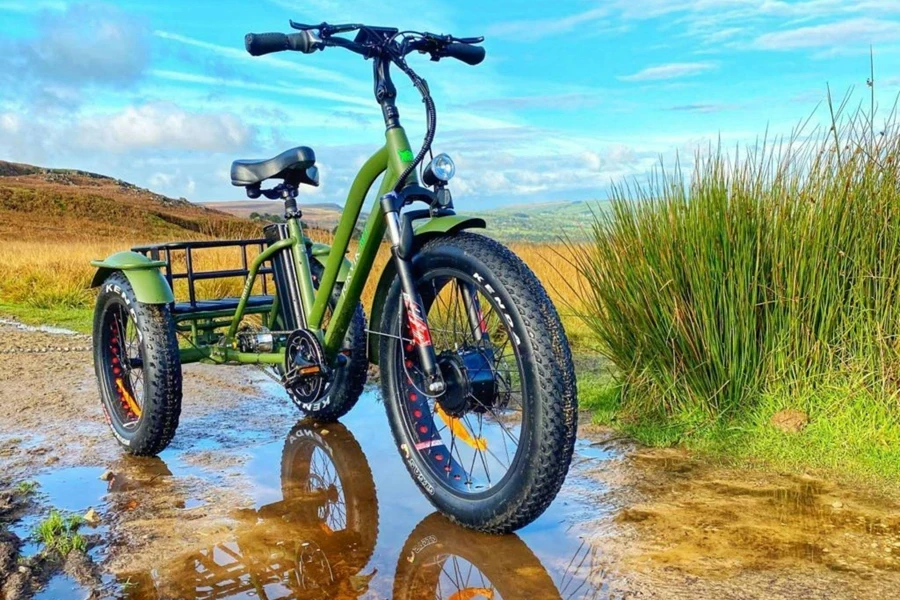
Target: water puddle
{"points": [[72, 491], [249, 503], [333, 513], [61, 586]]}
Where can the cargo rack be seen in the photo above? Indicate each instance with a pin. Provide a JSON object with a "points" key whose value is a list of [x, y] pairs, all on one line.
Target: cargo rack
{"points": [[193, 306]]}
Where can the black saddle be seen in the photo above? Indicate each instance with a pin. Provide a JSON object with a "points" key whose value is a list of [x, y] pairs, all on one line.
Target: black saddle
{"points": [[294, 166]]}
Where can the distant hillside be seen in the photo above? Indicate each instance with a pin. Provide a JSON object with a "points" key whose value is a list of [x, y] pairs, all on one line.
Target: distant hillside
{"points": [[64, 204], [544, 222], [323, 215]]}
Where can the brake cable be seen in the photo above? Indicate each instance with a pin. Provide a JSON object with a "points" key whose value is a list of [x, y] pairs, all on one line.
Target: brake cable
{"points": [[430, 112]]}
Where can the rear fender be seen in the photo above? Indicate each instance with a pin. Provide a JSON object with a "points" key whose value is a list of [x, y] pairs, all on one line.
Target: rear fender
{"points": [[149, 284], [423, 232]]}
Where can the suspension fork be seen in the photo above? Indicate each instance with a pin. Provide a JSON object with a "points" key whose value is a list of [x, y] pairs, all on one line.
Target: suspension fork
{"points": [[401, 250]]}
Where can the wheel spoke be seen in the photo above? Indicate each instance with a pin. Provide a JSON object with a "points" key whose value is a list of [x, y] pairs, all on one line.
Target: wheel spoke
{"points": [[453, 305]]}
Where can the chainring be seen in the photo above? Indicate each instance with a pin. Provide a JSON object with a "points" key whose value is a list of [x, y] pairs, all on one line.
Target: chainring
{"points": [[306, 373]]}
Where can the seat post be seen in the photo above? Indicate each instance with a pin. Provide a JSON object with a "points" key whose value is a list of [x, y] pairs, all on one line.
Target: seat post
{"points": [[288, 192]]}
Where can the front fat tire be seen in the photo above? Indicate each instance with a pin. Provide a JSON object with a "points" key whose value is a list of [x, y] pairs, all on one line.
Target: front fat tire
{"points": [[430, 562], [161, 394], [533, 484]]}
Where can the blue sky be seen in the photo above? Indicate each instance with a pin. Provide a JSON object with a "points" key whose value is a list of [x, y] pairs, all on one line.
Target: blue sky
{"points": [[573, 94]]}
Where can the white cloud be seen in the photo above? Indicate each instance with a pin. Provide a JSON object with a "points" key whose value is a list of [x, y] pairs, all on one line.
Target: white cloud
{"points": [[541, 28], [303, 91], [714, 22], [162, 127], [84, 45], [237, 52], [670, 71], [32, 6], [853, 31]]}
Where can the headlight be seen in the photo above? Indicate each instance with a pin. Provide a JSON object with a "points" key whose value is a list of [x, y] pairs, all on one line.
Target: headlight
{"points": [[439, 170]]}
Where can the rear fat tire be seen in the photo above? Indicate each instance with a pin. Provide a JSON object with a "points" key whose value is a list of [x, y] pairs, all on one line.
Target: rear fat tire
{"points": [[349, 380], [161, 393], [546, 446]]}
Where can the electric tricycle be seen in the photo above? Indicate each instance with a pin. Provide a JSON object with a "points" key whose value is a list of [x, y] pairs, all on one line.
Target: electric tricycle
{"points": [[475, 368]]}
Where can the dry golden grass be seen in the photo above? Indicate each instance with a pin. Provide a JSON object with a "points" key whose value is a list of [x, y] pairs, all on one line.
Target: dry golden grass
{"points": [[56, 274], [70, 218]]}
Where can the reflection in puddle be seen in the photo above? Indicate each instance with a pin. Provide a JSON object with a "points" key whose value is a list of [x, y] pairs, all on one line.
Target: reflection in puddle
{"points": [[60, 586], [325, 532]]}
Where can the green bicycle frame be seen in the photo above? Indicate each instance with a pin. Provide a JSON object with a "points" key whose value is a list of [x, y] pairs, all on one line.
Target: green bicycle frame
{"points": [[392, 159]]}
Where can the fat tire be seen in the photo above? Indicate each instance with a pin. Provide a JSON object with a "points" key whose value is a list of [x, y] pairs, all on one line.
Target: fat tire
{"points": [[506, 562], [350, 379], [162, 380], [532, 486], [351, 466]]}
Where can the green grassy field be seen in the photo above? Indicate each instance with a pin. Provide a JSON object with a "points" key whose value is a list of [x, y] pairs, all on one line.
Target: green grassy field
{"points": [[767, 280], [542, 223]]}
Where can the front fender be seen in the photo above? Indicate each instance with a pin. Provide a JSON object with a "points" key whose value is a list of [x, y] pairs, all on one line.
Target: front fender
{"points": [[150, 287], [424, 231]]}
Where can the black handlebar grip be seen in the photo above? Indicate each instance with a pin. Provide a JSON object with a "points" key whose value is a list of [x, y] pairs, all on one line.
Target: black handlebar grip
{"points": [[258, 44], [471, 55]]}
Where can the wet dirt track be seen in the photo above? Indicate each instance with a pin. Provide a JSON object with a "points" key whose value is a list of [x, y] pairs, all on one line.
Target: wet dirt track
{"points": [[249, 502]]}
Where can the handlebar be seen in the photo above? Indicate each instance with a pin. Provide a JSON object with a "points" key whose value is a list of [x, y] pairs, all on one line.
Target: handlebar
{"points": [[306, 41], [471, 55], [385, 45], [258, 44]]}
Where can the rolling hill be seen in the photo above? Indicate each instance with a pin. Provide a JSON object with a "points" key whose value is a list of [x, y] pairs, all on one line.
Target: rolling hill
{"points": [[40, 203], [61, 204], [542, 222], [321, 215]]}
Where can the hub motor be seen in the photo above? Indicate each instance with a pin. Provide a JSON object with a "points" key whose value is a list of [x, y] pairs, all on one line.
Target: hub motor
{"points": [[471, 381]]}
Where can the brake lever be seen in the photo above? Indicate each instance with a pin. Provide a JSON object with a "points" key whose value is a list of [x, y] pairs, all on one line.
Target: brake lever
{"points": [[469, 40], [303, 26]]}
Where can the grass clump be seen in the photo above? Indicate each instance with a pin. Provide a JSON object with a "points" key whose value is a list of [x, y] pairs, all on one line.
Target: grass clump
{"points": [[768, 278], [59, 533], [26, 488]]}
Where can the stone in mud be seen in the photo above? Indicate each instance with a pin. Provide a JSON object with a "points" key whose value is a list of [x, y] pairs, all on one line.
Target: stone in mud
{"points": [[9, 551], [17, 586], [83, 570], [107, 475], [790, 420], [91, 517]]}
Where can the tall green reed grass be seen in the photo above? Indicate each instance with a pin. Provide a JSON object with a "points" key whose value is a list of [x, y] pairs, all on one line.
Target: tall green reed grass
{"points": [[774, 265]]}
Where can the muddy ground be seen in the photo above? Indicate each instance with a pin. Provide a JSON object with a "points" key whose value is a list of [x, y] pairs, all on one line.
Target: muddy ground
{"points": [[219, 514]]}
